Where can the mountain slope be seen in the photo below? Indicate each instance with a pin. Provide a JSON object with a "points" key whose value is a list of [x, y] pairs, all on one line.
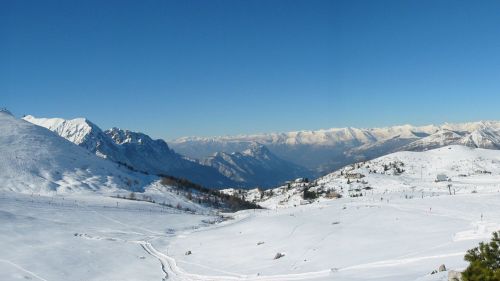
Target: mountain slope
{"points": [[482, 138], [82, 132], [331, 149], [451, 169], [135, 150], [441, 138], [320, 150], [255, 166], [463, 169], [35, 159]]}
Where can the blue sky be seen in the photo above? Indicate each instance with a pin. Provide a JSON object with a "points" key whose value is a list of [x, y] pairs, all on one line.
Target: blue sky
{"points": [[177, 68]]}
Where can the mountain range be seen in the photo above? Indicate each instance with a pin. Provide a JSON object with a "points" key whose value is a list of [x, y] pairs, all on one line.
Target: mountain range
{"points": [[255, 167], [326, 150], [264, 160]]}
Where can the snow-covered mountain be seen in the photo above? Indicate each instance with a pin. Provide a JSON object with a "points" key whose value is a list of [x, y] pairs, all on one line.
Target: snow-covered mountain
{"points": [[483, 137], [407, 212], [134, 150], [327, 150], [34, 159], [84, 133], [464, 169], [454, 169], [440, 138], [255, 166]]}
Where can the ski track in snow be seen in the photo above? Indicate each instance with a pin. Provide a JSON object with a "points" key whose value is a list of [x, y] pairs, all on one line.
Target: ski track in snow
{"points": [[23, 269], [173, 272], [124, 224], [397, 262]]}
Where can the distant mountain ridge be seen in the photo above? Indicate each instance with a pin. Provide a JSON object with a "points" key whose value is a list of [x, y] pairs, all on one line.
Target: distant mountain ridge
{"points": [[255, 166], [330, 149], [265, 160]]}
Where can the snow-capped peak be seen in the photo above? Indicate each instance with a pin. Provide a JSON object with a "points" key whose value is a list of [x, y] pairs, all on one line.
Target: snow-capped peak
{"points": [[256, 150], [75, 130], [136, 150]]}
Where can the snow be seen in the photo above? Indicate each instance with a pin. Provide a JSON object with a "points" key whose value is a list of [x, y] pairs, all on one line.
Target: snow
{"points": [[74, 130], [344, 239], [85, 237], [330, 149], [35, 159], [60, 219], [256, 166], [468, 169], [134, 149], [90, 237], [336, 135]]}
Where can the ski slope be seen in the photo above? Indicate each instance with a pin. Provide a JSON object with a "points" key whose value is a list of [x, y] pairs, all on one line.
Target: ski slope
{"points": [[344, 239], [91, 237], [86, 237]]}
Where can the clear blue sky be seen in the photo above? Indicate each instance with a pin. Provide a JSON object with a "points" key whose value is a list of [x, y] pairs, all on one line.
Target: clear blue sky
{"points": [[176, 68]]}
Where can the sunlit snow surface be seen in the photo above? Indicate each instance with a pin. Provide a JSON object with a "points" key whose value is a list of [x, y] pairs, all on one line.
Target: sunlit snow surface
{"points": [[85, 237], [65, 226], [346, 239], [93, 238]]}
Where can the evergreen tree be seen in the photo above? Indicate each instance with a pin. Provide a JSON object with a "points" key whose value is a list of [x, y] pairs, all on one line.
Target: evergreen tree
{"points": [[309, 194], [484, 261]]}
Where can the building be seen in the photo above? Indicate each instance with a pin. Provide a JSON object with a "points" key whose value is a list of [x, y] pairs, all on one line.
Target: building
{"points": [[442, 177], [354, 175]]}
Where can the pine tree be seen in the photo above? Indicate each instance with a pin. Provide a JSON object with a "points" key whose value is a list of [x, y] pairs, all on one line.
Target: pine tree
{"points": [[484, 261]]}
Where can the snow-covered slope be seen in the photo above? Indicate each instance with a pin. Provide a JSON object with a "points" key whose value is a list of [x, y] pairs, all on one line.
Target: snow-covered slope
{"points": [[483, 135], [327, 150], [255, 166], [387, 219], [482, 138], [135, 150], [393, 222], [34, 159], [456, 169], [326, 137], [405, 173], [84, 133], [441, 138], [348, 239]]}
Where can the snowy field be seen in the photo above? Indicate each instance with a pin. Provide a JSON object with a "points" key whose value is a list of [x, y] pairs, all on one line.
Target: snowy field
{"points": [[346, 239], [101, 238], [86, 237], [59, 220]]}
